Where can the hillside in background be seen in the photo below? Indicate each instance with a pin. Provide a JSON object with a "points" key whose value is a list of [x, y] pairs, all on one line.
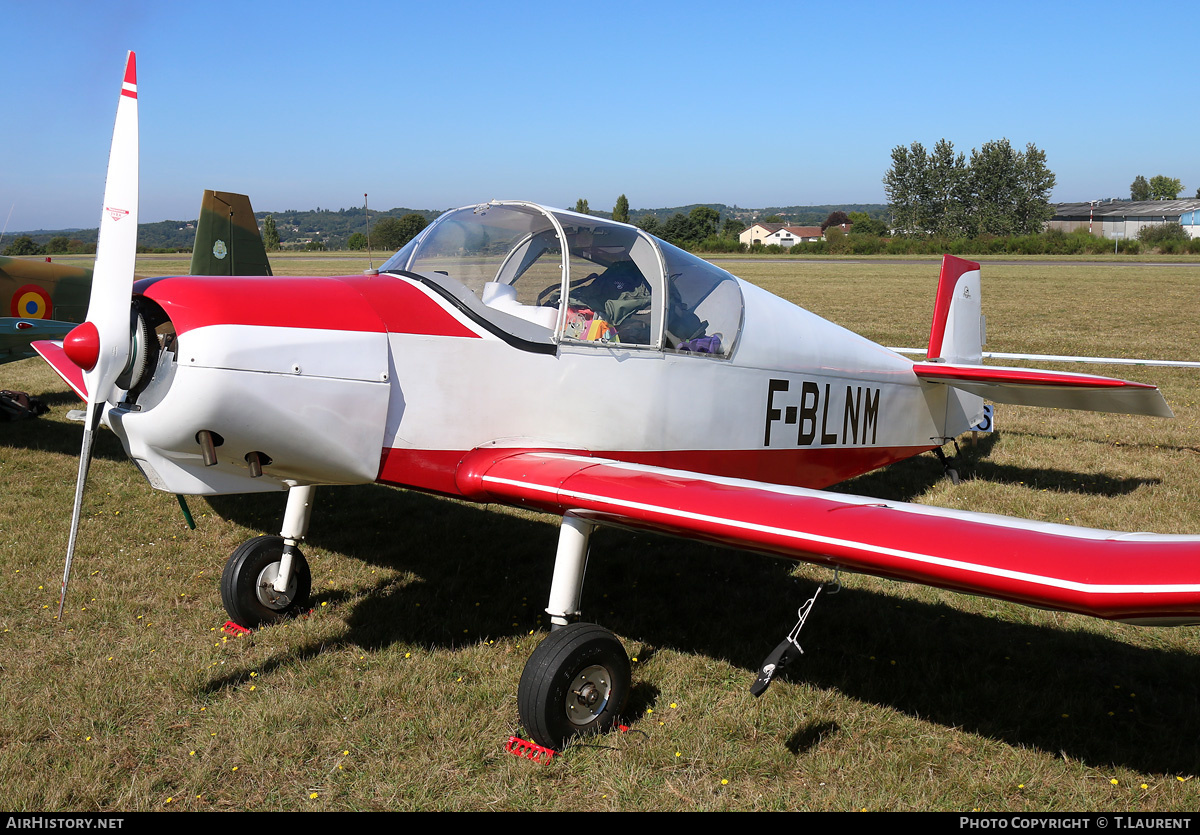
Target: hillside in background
{"points": [[333, 227]]}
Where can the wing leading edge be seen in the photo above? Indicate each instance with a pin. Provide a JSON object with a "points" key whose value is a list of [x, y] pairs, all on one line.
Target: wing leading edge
{"points": [[1134, 577]]}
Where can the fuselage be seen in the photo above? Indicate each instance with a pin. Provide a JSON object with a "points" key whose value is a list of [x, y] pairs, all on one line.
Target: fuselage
{"points": [[511, 325], [363, 378]]}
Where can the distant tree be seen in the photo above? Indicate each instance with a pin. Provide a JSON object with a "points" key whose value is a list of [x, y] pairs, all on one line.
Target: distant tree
{"points": [[994, 189], [771, 219], [649, 223], [621, 210], [393, 233], [836, 241], [581, 206], [836, 218], [411, 225], [1139, 189], [732, 227], [703, 221], [1165, 188], [1035, 182], [315, 246], [864, 224], [677, 229], [948, 202], [904, 184], [387, 233], [23, 245], [270, 234], [357, 241], [57, 244]]}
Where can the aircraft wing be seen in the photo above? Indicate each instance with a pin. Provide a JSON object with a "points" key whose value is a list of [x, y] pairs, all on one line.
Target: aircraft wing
{"points": [[1134, 577], [17, 334], [1054, 389]]}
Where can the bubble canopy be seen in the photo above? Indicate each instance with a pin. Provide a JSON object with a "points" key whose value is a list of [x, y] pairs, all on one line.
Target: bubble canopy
{"points": [[514, 263]]}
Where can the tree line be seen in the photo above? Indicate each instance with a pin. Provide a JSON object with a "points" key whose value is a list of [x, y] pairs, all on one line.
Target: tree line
{"points": [[57, 245], [1000, 191]]}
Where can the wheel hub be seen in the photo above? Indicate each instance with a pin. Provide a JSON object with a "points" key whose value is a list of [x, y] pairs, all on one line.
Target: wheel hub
{"points": [[588, 694], [265, 588]]}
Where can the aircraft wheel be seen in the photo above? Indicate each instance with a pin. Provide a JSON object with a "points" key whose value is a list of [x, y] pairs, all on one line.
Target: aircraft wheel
{"points": [[576, 682], [246, 583]]}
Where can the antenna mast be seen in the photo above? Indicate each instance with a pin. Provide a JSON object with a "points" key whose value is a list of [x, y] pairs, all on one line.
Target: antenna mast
{"points": [[367, 209]]}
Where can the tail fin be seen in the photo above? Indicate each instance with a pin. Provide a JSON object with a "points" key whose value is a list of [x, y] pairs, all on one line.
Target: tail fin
{"points": [[957, 337], [227, 237], [958, 330], [955, 357]]}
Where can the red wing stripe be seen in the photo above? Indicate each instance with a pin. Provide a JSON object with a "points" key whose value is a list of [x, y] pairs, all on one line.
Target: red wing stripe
{"points": [[1019, 376]]}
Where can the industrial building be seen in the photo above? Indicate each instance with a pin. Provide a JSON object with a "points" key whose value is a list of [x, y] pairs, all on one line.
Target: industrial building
{"points": [[1125, 218]]}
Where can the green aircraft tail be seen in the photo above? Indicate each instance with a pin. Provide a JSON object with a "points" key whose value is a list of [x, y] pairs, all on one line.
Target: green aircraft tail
{"points": [[227, 238]]}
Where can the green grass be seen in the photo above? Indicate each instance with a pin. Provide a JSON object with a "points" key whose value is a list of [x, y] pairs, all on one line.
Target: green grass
{"points": [[398, 691]]}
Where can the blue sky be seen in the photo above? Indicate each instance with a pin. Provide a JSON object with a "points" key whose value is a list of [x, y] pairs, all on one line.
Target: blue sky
{"points": [[430, 105]]}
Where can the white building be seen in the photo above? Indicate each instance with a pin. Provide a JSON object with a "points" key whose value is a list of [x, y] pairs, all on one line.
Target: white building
{"points": [[780, 234]]}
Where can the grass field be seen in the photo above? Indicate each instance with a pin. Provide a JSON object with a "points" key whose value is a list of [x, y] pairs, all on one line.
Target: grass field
{"points": [[398, 691]]}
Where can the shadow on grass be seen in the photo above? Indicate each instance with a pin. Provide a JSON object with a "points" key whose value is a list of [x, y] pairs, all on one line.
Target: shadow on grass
{"points": [[809, 736], [55, 436], [484, 574], [909, 479], [1063, 481]]}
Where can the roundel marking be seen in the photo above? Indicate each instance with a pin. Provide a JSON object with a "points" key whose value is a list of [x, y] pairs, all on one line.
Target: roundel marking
{"points": [[31, 302]]}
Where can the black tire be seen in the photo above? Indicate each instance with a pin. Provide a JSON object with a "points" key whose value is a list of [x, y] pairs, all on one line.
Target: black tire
{"points": [[246, 580], [576, 682]]}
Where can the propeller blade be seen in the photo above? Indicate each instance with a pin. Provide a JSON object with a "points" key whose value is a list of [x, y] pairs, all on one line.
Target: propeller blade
{"points": [[100, 346], [85, 461], [112, 279]]}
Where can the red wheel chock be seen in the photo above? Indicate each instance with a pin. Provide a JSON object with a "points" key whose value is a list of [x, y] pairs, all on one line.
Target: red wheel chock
{"points": [[231, 628], [529, 750]]}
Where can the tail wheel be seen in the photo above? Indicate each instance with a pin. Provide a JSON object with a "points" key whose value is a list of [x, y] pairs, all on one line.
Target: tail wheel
{"points": [[247, 583], [575, 683]]}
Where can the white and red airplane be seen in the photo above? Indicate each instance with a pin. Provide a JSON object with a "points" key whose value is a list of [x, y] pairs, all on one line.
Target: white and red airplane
{"points": [[529, 356]]}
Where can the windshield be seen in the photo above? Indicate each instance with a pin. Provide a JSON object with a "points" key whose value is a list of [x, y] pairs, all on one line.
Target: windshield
{"points": [[621, 284], [472, 244]]}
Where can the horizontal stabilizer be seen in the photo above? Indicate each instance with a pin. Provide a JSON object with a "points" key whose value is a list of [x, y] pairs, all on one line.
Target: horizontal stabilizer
{"points": [[1000, 355], [1053, 389]]}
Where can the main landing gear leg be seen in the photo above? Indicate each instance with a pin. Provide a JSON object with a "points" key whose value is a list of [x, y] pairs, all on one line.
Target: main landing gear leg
{"points": [[570, 565], [267, 578], [295, 527], [577, 681]]}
